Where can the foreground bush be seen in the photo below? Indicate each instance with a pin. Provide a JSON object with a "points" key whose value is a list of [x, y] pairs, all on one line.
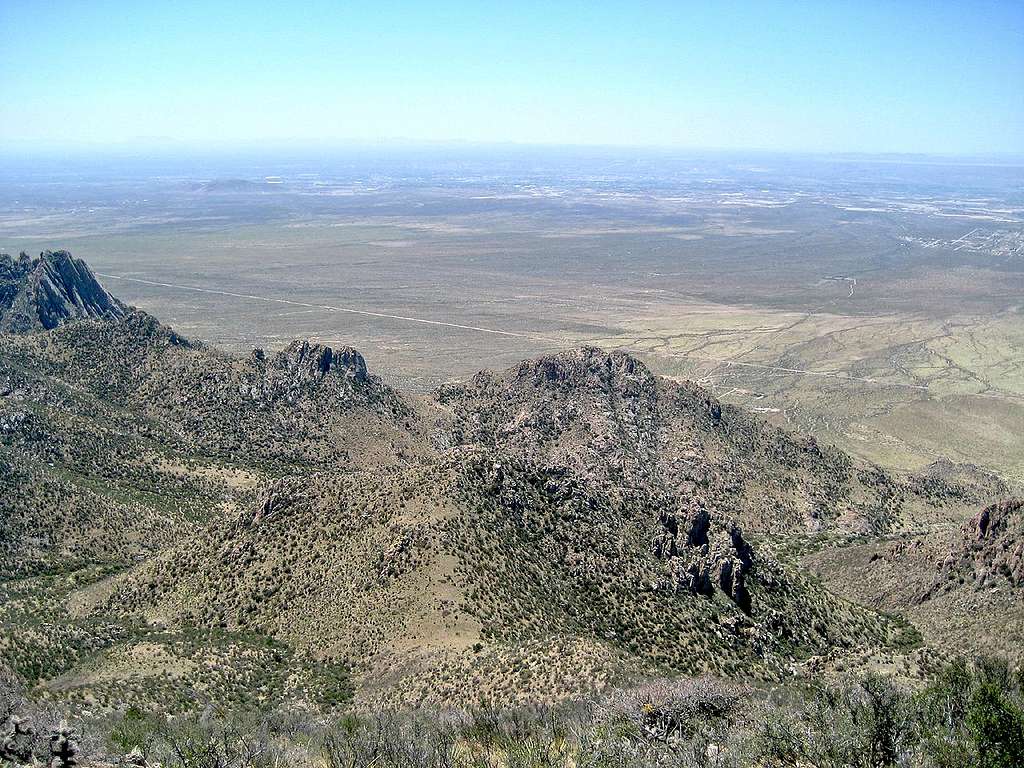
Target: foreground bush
{"points": [[968, 715], [974, 716]]}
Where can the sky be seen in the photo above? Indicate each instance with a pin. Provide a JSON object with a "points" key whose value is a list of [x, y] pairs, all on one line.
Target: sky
{"points": [[865, 76]]}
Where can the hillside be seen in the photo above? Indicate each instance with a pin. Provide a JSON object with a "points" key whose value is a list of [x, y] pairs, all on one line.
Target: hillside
{"points": [[572, 522], [960, 584], [479, 564]]}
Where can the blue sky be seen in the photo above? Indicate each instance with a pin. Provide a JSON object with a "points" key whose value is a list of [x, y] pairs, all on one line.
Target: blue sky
{"points": [[824, 76]]}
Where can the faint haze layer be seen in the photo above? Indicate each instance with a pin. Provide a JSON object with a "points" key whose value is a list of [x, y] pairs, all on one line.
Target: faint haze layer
{"points": [[941, 77], [406, 165]]}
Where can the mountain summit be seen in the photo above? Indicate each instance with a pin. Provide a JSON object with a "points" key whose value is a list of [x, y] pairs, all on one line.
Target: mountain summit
{"points": [[42, 293]]}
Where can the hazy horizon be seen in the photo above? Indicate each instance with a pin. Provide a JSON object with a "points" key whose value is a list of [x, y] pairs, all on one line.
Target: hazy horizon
{"points": [[285, 148]]}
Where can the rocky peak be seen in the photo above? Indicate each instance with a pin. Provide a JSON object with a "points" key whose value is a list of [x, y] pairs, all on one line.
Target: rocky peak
{"points": [[306, 361], [592, 410], [48, 291], [586, 367], [299, 369]]}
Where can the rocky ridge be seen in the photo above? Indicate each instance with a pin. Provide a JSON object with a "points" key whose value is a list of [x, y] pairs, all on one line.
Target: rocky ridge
{"points": [[48, 291]]}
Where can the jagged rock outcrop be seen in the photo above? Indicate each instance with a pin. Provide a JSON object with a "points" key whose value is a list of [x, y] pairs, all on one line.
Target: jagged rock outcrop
{"points": [[55, 288], [22, 743], [593, 411], [64, 749], [18, 742], [587, 367], [705, 554], [305, 361], [990, 549], [301, 365]]}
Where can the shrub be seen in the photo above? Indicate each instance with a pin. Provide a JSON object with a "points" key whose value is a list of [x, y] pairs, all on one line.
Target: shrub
{"points": [[136, 730], [996, 726]]}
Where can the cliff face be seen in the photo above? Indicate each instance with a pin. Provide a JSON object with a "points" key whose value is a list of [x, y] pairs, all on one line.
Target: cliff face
{"points": [[45, 292]]}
